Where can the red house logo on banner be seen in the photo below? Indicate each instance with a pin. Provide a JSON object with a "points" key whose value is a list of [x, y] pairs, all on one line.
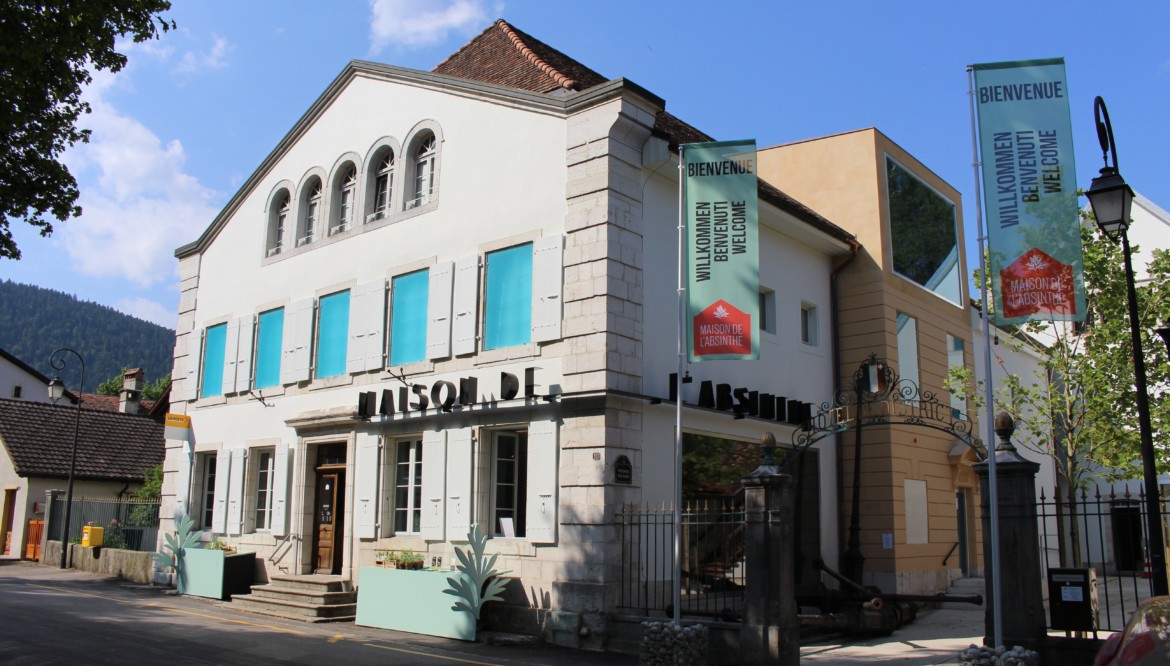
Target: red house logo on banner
{"points": [[722, 329], [1037, 284]]}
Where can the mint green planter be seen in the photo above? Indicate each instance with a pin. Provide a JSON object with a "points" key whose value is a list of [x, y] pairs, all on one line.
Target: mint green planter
{"points": [[215, 574], [411, 601]]}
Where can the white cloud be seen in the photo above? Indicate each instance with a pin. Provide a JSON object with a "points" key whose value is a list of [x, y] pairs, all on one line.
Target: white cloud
{"points": [[138, 203], [144, 308], [216, 58], [412, 23]]}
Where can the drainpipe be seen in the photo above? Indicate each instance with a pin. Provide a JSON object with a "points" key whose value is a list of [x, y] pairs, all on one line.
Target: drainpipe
{"points": [[854, 250]]}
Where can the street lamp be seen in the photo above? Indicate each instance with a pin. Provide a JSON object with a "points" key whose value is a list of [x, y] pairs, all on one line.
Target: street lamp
{"points": [[1110, 198], [56, 392]]}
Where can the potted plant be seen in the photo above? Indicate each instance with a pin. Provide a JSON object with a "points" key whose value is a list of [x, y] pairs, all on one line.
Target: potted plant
{"points": [[410, 560], [383, 558]]}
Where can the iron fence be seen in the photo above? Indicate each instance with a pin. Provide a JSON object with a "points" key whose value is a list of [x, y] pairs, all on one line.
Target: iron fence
{"points": [[128, 524], [1105, 532], [712, 561]]}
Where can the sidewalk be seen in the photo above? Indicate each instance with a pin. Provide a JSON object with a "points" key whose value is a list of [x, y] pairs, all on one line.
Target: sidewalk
{"points": [[936, 637]]}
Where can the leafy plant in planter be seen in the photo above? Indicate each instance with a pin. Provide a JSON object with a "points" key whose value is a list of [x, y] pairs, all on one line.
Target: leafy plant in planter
{"points": [[408, 559], [482, 583], [178, 542]]}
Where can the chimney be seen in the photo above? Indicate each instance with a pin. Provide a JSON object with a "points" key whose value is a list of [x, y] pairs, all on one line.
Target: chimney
{"points": [[130, 397]]}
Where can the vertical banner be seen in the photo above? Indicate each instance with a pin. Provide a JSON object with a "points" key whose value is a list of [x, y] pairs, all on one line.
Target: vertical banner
{"points": [[1030, 191], [722, 251]]}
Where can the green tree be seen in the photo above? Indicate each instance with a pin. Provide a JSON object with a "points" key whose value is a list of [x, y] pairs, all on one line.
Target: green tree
{"points": [[49, 51], [150, 391]]}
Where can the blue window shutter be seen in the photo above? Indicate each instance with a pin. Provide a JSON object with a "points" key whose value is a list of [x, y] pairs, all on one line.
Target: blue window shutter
{"points": [[508, 300], [213, 347], [408, 318], [332, 334], [268, 342]]}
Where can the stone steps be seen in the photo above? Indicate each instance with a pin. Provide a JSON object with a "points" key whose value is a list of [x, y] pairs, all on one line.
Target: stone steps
{"points": [[303, 598], [966, 586]]}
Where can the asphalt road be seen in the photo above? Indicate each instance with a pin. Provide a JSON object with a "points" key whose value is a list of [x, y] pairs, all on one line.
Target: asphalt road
{"points": [[49, 616]]}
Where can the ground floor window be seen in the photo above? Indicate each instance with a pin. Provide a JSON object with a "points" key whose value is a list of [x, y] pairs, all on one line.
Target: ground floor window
{"points": [[205, 493], [408, 465], [262, 482], [509, 482]]}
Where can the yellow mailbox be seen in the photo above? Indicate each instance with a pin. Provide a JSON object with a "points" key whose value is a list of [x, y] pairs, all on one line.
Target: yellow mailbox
{"points": [[91, 537]]}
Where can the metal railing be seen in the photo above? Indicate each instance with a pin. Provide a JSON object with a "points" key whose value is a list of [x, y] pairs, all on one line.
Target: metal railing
{"points": [[1105, 532], [713, 562], [127, 524]]}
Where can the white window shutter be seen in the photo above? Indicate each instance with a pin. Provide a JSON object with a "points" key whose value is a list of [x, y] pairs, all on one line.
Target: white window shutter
{"points": [[223, 468], [541, 515], [458, 483], [465, 298], [182, 477], [434, 484], [298, 338], [194, 358], [365, 487], [439, 310], [281, 472], [375, 341], [235, 504], [367, 308], [244, 355], [546, 288], [230, 346]]}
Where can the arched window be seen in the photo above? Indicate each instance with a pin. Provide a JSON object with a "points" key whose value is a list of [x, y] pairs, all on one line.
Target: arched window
{"points": [[424, 171], [278, 222], [383, 187], [345, 195], [310, 212]]}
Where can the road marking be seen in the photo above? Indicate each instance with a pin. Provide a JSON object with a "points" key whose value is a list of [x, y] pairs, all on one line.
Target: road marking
{"points": [[336, 638], [434, 656]]}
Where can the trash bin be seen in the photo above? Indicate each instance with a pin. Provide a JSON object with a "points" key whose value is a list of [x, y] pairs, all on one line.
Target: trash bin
{"points": [[91, 537]]}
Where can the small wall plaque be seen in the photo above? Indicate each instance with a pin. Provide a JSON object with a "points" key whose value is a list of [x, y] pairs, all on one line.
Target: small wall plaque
{"points": [[623, 471]]}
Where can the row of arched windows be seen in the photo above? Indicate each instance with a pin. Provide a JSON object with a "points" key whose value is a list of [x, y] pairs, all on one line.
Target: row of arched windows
{"points": [[357, 196]]}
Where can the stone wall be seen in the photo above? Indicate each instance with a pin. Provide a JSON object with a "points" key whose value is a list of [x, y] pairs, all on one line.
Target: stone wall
{"points": [[125, 564]]}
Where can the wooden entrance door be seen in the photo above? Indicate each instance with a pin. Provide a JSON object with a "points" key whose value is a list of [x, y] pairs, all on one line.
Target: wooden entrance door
{"points": [[329, 533]]}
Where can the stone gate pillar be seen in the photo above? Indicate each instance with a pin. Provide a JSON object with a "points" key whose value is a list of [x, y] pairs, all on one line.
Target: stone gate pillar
{"points": [[770, 632], [1022, 601]]}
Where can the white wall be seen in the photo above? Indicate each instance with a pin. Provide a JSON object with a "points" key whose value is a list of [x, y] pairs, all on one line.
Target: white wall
{"points": [[31, 387]]}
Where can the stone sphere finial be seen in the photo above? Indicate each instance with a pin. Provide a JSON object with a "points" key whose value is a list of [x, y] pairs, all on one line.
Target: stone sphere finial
{"points": [[1004, 427]]}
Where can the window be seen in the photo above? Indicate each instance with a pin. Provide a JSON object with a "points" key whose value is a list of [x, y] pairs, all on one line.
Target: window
{"points": [[955, 360], [332, 334], [768, 311], [908, 347], [508, 297], [278, 222], [16, 391], [408, 317], [408, 487], [383, 187], [509, 469], [214, 346], [269, 338], [345, 195], [311, 210], [263, 484], [206, 463], [424, 171], [808, 324], [923, 233]]}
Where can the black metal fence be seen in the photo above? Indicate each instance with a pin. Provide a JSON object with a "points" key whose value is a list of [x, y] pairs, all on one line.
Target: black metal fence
{"points": [[712, 561], [127, 524], [1106, 532]]}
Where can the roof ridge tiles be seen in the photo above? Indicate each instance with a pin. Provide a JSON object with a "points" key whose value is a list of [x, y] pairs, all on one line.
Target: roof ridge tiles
{"points": [[525, 50]]}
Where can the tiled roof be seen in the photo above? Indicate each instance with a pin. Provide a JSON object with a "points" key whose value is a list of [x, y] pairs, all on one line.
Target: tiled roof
{"points": [[108, 403], [39, 437]]}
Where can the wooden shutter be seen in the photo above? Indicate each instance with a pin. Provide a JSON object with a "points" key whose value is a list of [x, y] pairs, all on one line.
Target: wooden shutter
{"points": [[546, 288], [434, 488], [231, 345], [235, 503], [223, 466], [541, 500], [182, 476], [466, 295], [459, 466], [281, 470], [439, 310], [244, 355], [194, 358], [297, 343], [367, 308], [365, 487]]}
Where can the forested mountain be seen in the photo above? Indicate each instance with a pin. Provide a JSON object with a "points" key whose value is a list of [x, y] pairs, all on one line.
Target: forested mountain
{"points": [[35, 321]]}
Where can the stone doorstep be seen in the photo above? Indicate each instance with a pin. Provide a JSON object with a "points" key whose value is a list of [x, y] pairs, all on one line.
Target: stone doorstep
{"points": [[297, 611], [305, 596], [322, 583]]}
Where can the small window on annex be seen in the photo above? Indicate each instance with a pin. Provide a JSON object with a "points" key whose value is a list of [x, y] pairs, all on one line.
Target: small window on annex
{"points": [[908, 348], [808, 324], [767, 310], [923, 233]]}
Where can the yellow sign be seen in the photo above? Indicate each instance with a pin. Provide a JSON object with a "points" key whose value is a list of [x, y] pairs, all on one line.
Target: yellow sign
{"points": [[178, 421]]}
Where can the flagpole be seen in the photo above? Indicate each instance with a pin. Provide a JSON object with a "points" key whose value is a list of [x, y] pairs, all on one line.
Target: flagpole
{"points": [[989, 443], [678, 403]]}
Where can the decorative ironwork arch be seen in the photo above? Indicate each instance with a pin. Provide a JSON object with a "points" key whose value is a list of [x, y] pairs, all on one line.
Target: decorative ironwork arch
{"points": [[879, 396]]}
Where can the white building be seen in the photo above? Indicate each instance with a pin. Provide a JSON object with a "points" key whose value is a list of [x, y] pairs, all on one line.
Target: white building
{"points": [[484, 257]]}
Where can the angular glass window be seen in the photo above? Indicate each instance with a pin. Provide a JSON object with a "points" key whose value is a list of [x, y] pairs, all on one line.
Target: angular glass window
{"points": [[508, 297], [214, 346], [408, 317], [923, 233], [332, 334], [269, 337], [908, 348]]}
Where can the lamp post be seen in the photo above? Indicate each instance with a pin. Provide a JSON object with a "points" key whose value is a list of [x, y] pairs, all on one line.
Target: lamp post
{"points": [[1110, 198], [871, 381], [56, 391]]}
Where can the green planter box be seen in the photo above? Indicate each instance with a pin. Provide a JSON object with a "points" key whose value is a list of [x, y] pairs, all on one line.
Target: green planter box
{"points": [[411, 601], [215, 574]]}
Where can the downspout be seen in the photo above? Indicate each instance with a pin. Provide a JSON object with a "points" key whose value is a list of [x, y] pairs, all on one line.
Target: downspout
{"points": [[854, 250]]}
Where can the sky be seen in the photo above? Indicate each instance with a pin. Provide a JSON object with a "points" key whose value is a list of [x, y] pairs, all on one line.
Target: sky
{"points": [[179, 130]]}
